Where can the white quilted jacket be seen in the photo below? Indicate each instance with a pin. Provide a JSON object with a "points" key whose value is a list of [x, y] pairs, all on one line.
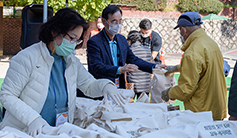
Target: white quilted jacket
{"points": [[25, 86]]}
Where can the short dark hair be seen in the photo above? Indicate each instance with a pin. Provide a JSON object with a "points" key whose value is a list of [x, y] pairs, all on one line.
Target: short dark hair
{"points": [[65, 20], [99, 17], [110, 10], [145, 24], [134, 36]]}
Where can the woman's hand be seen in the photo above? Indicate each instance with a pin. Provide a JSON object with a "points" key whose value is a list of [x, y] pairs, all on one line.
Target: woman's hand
{"points": [[112, 92], [36, 127]]}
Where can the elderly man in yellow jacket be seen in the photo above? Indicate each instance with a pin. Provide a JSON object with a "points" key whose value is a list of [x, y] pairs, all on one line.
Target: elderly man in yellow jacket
{"points": [[201, 85]]}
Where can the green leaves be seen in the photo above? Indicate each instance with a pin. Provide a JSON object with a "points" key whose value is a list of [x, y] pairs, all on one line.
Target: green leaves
{"points": [[162, 4], [230, 6], [201, 6], [144, 5], [89, 9]]}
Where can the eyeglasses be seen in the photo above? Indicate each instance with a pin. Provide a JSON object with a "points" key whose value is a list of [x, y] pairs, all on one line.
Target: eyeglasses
{"points": [[116, 22], [74, 40]]}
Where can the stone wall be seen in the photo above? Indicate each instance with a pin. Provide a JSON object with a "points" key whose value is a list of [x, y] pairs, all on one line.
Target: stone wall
{"points": [[150, 14], [224, 32], [131, 13]]}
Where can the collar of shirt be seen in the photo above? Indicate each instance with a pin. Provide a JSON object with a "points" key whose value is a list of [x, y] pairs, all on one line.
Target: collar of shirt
{"points": [[108, 39], [53, 54], [150, 34], [113, 49]]}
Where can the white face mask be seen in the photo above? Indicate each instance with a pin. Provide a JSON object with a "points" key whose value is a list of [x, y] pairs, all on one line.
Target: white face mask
{"points": [[100, 25], [145, 35], [114, 28], [65, 49]]}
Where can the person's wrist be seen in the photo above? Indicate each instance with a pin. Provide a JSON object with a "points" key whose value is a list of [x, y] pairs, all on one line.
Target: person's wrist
{"points": [[156, 66], [176, 68], [35, 120], [118, 70], [121, 70], [165, 95]]}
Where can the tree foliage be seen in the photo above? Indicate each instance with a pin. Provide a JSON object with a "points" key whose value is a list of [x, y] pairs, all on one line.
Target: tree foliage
{"points": [[161, 4], [229, 2], [89, 9], [144, 5], [201, 6]]}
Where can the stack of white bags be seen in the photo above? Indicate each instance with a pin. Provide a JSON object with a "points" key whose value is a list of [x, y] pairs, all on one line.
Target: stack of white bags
{"points": [[96, 119], [99, 119]]}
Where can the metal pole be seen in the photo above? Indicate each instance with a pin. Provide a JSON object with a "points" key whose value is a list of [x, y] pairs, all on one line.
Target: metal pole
{"points": [[45, 11], [66, 3]]}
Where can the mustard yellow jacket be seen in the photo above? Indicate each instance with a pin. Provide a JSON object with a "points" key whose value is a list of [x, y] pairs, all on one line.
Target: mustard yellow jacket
{"points": [[201, 85]]}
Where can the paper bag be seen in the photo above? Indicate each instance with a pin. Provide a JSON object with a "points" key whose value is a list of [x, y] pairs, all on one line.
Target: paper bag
{"points": [[160, 83]]}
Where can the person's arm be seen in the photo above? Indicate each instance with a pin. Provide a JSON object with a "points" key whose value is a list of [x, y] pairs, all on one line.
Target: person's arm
{"points": [[97, 87], [16, 79], [172, 69], [232, 109], [88, 84], [156, 43], [188, 79], [94, 55], [154, 54]]}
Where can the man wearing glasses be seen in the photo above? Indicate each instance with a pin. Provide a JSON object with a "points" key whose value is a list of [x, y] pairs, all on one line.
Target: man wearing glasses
{"points": [[108, 52]]}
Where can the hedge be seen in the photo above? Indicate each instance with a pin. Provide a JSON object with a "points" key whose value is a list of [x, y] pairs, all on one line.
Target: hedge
{"points": [[201, 6], [144, 5]]}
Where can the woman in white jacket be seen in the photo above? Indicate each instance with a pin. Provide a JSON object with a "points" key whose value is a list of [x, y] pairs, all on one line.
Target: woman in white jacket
{"points": [[42, 79]]}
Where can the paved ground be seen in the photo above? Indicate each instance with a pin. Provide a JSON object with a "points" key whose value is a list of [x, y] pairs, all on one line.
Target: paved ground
{"points": [[170, 59]]}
